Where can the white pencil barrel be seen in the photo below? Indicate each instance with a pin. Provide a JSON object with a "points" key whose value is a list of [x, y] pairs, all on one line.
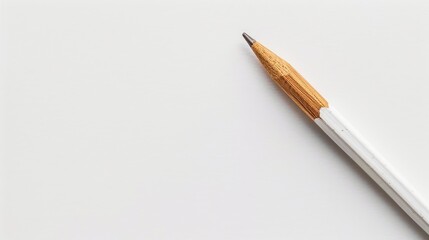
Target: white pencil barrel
{"points": [[336, 128]]}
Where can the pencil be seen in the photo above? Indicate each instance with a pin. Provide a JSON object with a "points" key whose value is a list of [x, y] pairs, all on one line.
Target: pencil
{"points": [[320, 111]]}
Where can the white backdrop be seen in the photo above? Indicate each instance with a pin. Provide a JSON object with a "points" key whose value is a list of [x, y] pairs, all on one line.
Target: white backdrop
{"points": [[154, 120]]}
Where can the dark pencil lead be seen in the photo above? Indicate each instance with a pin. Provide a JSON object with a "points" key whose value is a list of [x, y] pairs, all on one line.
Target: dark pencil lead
{"points": [[248, 39]]}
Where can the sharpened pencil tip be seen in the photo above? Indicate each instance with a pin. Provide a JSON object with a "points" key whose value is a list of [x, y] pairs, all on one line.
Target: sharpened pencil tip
{"points": [[248, 39]]}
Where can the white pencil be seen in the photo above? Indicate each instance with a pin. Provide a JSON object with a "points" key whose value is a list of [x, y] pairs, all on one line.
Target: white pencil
{"points": [[318, 109]]}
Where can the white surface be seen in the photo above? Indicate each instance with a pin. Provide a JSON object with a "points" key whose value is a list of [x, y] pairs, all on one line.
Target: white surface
{"points": [[373, 164], [153, 120]]}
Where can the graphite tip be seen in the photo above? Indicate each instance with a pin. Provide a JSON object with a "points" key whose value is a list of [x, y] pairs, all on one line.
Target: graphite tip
{"points": [[248, 39]]}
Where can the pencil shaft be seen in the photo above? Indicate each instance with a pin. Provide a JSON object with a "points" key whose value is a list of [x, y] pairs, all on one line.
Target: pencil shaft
{"points": [[372, 164]]}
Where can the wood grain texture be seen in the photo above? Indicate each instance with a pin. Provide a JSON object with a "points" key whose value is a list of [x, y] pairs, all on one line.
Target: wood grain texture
{"points": [[290, 81]]}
